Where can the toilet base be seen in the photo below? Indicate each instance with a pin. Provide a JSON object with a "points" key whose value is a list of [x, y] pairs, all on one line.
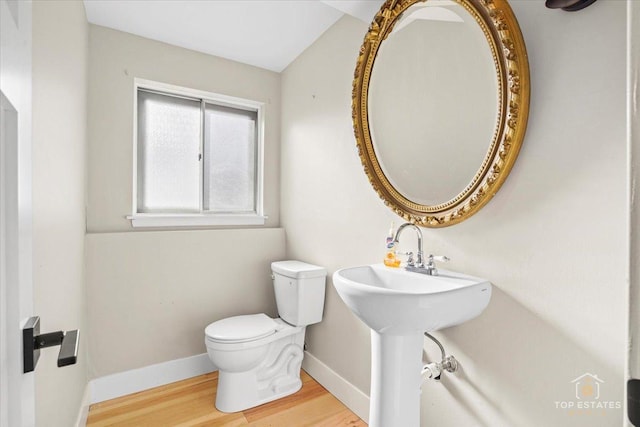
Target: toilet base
{"points": [[276, 377]]}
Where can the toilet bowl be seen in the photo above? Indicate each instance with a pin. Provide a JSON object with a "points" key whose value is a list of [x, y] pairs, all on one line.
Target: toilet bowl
{"points": [[258, 357]]}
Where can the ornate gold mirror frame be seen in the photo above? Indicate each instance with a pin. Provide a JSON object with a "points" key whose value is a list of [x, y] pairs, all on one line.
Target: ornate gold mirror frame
{"points": [[502, 32]]}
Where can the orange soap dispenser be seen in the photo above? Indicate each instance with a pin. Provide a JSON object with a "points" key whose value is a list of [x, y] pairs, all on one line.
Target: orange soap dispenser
{"points": [[390, 259]]}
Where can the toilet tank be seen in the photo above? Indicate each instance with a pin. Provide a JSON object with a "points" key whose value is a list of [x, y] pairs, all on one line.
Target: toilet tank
{"points": [[299, 289]]}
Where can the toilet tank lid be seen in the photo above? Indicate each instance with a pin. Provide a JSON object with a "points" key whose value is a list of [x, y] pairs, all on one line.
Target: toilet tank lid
{"points": [[242, 328], [298, 269]]}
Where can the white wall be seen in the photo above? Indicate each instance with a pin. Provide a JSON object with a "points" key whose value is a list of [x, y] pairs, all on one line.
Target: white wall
{"points": [[60, 43], [150, 294], [553, 241]]}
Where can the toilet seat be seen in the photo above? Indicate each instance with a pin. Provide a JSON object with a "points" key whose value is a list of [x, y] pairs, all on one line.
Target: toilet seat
{"points": [[239, 329]]}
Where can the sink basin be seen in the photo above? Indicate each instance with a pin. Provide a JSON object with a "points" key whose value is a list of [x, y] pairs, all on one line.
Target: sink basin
{"points": [[399, 306], [392, 300]]}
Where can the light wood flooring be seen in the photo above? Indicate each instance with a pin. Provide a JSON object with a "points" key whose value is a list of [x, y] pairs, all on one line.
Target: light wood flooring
{"points": [[191, 403]]}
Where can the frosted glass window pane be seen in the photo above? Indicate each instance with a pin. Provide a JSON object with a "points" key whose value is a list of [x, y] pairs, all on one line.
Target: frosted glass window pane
{"points": [[168, 153], [230, 159]]}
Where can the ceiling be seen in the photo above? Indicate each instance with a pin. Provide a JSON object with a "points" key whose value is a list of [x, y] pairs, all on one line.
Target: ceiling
{"points": [[265, 33]]}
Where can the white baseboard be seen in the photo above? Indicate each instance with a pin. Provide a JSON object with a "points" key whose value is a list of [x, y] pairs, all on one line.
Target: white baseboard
{"points": [[343, 390], [84, 407], [135, 380]]}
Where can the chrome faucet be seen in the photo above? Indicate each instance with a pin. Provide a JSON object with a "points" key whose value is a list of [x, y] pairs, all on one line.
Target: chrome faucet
{"points": [[418, 265]]}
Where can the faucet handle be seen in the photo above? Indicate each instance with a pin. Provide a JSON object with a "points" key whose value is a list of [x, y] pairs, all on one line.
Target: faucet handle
{"points": [[410, 261], [439, 258], [431, 265]]}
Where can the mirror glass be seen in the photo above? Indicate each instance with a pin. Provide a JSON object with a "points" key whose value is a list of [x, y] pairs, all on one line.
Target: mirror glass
{"points": [[433, 102]]}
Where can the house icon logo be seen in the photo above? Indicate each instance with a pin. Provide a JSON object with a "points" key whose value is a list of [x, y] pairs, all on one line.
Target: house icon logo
{"points": [[590, 399], [587, 387]]}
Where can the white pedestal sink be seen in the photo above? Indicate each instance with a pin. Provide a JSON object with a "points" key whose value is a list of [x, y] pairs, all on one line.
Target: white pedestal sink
{"points": [[399, 306]]}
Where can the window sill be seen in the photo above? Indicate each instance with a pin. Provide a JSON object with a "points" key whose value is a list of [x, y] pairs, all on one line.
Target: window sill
{"points": [[193, 220]]}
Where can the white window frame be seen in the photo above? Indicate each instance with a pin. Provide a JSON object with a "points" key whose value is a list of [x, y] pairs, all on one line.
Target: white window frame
{"points": [[203, 219]]}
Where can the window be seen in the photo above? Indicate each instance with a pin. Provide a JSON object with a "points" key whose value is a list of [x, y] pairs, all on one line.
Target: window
{"points": [[198, 158]]}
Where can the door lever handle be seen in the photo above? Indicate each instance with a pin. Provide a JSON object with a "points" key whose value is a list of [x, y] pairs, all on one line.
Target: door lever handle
{"points": [[69, 349], [33, 341]]}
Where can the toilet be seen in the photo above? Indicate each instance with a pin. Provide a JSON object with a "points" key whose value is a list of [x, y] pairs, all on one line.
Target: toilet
{"points": [[259, 358]]}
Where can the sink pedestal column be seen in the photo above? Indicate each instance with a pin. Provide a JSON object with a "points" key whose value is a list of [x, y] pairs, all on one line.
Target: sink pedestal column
{"points": [[396, 363]]}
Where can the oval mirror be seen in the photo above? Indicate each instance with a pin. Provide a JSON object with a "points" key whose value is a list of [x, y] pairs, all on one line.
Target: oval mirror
{"points": [[440, 105]]}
